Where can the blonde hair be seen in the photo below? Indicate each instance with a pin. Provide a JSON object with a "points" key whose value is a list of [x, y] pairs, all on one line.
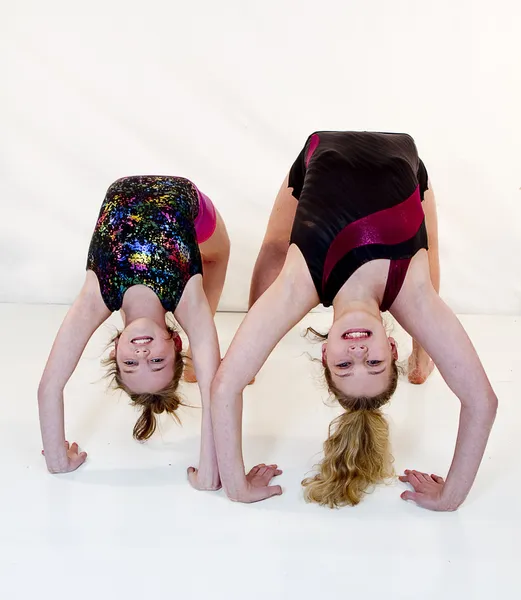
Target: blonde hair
{"points": [[165, 400], [357, 452]]}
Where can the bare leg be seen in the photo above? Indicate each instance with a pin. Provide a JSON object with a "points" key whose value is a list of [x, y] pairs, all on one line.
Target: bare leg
{"points": [[420, 363], [275, 244]]}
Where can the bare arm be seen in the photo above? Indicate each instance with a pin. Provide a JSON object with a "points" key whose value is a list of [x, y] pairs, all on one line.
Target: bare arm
{"points": [[84, 317], [195, 317], [281, 307], [424, 315]]}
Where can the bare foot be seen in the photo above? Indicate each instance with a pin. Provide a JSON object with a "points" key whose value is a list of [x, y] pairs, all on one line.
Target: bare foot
{"points": [[420, 367], [189, 373]]}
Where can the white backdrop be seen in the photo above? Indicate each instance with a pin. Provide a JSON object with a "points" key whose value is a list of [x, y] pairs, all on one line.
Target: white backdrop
{"points": [[225, 93]]}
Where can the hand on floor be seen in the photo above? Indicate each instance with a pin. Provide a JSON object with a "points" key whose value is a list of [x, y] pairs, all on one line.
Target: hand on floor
{"points": [[428, 490], [257, 487], [74, 459], [262, 474]]}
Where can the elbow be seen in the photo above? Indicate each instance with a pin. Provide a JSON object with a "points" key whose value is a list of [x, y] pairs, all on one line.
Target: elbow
{"points": [[493, 405], [218, 388], [224, 390], [490, 405], [42, 391], [486, 408], [45, 390]]}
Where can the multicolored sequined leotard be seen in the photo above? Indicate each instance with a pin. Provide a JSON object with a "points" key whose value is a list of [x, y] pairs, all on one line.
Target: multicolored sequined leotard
{"points": [[146, 234], [359, 199]]}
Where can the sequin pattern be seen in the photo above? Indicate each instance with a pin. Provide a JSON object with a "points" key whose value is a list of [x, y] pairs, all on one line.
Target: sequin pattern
{"points": [[145, 235]]}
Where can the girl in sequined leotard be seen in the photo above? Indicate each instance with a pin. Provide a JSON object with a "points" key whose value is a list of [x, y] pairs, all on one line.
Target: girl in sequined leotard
{"points": [[158, 246], [349, 228]]}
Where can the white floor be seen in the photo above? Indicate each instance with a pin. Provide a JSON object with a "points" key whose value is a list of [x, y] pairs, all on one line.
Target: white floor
{"points": [[127, 525]]}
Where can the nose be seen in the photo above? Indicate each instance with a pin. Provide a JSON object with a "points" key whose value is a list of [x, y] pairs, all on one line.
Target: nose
{"points": [[141, 351], [358, 350]]}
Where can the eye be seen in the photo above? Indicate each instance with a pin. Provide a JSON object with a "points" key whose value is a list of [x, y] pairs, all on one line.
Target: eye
{"points": [[374, 363], [129, 363], [344, 365], [157, 360]]}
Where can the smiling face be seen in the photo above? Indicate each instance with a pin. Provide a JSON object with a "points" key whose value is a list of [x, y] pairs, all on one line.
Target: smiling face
{"points": [[145, 356], [359, 354]]}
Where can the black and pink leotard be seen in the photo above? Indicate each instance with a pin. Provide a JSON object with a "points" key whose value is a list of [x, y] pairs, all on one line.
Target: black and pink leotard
{"points": [[359, 199]]}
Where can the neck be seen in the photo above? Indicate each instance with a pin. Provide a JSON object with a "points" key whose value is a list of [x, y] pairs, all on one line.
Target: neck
{"points": [[141, 302], [356, 298]]}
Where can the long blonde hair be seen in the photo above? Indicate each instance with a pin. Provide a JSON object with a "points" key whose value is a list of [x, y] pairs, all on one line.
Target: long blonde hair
{"points": [[357, 452], [165, 400]]}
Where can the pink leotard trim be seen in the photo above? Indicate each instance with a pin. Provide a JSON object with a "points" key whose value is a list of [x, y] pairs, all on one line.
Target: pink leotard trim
{"points": [[395, 278], [389, 226], [206, 220], [313, 145]]}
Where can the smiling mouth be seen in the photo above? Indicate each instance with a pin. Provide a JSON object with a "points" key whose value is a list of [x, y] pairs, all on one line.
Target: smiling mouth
{"points": [[357, 334], [141, 340]]}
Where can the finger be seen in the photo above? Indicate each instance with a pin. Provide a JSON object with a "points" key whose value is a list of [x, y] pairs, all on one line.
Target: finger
{"points": [[425, 476], [254, 470], [79, 460], [264, 493], [43, 452], [74, 448], [66, 444], [438, 479], [414, 481], [404, 478], [277, 472], [414, 496], [192, 476], [263, 471], [273, 466]]}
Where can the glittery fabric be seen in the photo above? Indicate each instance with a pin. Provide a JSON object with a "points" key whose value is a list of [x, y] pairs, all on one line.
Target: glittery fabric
{"points": [[359, 199], [145, 235]]}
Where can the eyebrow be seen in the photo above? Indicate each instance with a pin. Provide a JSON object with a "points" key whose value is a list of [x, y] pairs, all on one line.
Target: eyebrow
{"points": [[369, 373], [153, 370]]}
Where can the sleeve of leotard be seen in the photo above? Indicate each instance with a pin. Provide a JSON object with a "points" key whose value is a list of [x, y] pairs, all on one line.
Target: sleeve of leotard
{"points": [[297, 174], [423, 179]]}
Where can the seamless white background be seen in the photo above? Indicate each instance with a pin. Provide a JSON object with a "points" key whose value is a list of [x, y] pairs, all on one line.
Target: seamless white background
{"points": [[226, 93]]}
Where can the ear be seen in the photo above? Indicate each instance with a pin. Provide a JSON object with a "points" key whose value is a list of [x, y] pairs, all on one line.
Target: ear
{"points": [[394, 348], [112, 354], [324, 354]]}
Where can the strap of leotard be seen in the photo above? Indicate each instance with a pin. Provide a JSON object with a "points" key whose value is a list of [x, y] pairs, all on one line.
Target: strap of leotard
{"points": [[395, 278]]}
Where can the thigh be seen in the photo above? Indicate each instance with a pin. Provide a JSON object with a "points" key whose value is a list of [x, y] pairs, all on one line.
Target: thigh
{"points": [[281, 218]]}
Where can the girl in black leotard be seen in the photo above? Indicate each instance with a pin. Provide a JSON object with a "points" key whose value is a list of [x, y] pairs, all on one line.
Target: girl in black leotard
{"points": [[352, 211]]}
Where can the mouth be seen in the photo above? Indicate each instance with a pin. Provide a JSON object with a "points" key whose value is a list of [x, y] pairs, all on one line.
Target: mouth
{"points": [[357, 334], [141, 341]]}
